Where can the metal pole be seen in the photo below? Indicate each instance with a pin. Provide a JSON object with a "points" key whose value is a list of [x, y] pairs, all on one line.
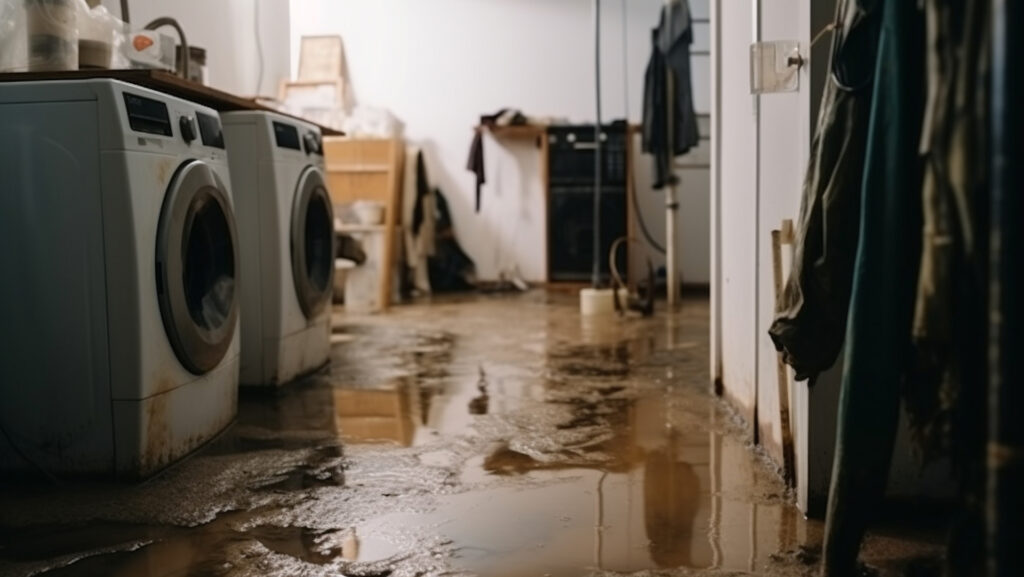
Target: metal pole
{"points": [[671, 204], [598, 256]]}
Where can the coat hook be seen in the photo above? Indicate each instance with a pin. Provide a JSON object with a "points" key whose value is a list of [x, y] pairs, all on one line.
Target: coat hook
{"points": [[796, 59]]}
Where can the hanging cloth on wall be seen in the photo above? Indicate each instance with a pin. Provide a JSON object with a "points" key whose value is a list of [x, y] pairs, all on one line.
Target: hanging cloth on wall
{"points": [[1005, 467], [475, 163], [670, 59], [949, 340], [945, 392], [418, 209], [422, 192], [811, 323], [450, 267], [878, 341]]}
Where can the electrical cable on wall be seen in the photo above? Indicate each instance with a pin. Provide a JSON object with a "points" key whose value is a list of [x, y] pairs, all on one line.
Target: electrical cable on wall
{"points": [[596, 277], [640, 219]]}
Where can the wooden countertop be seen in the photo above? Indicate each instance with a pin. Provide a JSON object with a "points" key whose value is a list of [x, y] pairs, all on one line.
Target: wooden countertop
{"points": [[527, 131], [165, 82], [515, 131]]}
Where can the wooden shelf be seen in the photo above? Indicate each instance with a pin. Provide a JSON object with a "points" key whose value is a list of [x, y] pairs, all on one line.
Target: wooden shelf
{"points": [[360, 168], [516, 132], [162, 81], [344, 228]]}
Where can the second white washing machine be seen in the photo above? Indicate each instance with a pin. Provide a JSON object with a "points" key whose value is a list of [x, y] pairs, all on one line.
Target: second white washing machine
{"points": [[286, 245]]}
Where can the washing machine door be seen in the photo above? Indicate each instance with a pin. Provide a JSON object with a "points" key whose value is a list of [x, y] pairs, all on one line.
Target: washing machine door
{"points": [[312, 243], [197, 267]]}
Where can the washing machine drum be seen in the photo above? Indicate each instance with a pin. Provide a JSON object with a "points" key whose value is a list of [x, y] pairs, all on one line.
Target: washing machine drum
{"points": [[312, 243], [197, 267]]}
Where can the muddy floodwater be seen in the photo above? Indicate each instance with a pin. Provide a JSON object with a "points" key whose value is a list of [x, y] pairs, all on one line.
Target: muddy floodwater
{"points": [[499, 435]]}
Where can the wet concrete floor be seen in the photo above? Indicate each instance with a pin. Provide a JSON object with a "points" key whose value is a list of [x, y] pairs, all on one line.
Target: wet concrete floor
{"points": [[499, 435]]}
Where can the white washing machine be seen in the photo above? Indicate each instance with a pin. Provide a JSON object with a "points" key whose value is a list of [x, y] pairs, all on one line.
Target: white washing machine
{"points": [[119, 259], [286, 237]]}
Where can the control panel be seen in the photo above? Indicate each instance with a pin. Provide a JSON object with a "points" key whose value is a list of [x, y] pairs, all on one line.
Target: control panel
{"points": [[286, 136], [210, 130], [147, 115]]}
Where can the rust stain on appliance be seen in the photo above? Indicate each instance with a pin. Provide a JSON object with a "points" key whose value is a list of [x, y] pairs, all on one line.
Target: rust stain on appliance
{"points": [[164, 382], [156, 450], [231, 396], [164, 170]]}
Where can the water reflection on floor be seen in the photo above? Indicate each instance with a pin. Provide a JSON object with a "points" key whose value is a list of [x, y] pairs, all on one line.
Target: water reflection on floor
{"points": [[488, 436], [665, 512]]}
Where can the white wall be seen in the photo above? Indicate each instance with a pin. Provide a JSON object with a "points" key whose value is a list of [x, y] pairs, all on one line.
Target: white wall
{"points": [[439, 64], [784, 145], [226, 29], [737, 170], [763, 151]]}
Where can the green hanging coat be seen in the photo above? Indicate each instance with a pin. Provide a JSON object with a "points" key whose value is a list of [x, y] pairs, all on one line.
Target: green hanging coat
{"points": [[878, 343]]}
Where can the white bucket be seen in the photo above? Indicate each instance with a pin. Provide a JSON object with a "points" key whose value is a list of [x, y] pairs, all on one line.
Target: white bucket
{"points": [[368, 212], [597, 302]]}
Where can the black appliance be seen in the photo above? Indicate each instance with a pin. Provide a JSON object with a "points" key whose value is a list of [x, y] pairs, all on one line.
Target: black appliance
{"points": [[571, 199]]}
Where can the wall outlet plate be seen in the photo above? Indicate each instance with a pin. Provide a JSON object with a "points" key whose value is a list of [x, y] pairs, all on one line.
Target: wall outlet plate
{"points": [[775, 66]]}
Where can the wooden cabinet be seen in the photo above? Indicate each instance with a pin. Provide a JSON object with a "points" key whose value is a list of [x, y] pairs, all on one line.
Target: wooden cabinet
{"points": [[365, 169], [369, 169]]}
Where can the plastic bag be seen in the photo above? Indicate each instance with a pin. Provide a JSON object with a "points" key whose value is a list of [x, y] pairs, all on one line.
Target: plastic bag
{"points": [[51, 27], [373, 122], [47, 35], [13, 42], [99, 35]]}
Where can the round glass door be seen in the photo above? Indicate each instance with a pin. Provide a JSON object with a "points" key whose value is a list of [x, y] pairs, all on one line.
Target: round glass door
{"points": [[312, 243], [197, 267]]}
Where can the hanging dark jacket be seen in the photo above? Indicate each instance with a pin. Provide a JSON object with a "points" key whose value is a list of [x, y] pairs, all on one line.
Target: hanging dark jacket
{"points": [[422, 191], [881, 312], [811, 322], [450, 268], [670, 59], [475, 163]]}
